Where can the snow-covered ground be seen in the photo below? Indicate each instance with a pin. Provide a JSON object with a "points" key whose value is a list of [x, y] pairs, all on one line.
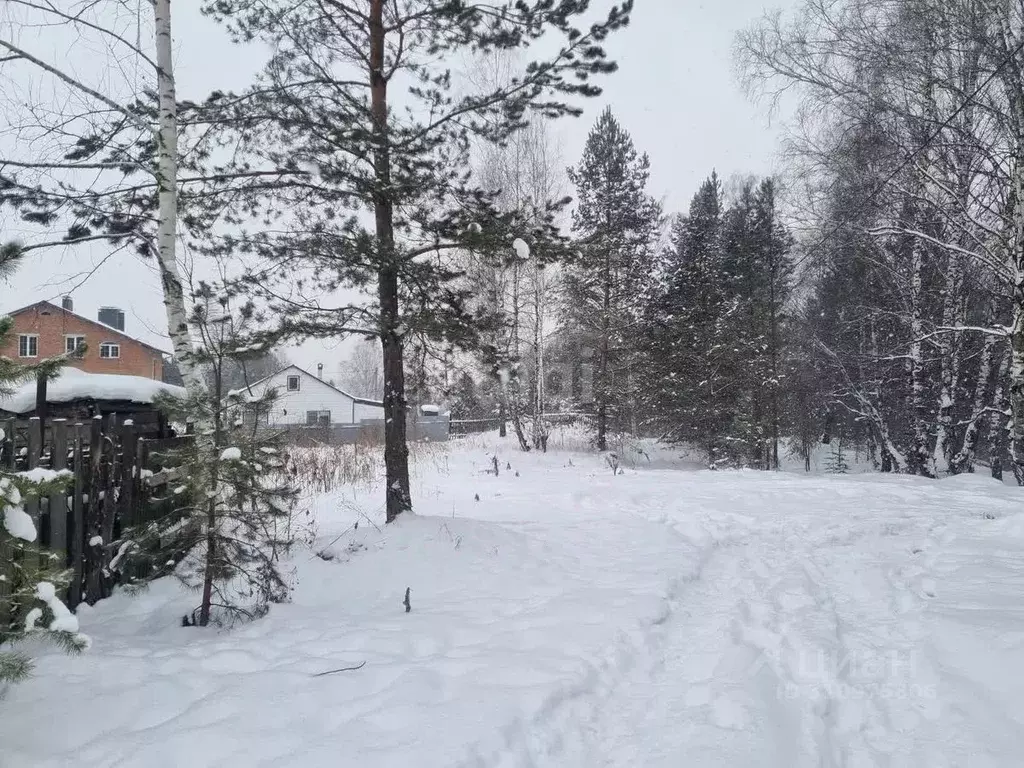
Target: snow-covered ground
{"points": [[661, 617]]}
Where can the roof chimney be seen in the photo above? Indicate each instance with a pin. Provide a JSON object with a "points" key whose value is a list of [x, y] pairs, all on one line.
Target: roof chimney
{"points": [[320, 371], [68, 304], [112, 317]]}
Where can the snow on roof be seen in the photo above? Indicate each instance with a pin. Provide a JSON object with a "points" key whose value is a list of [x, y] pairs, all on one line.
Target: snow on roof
{"points": [[249, 394], [73, 384]]}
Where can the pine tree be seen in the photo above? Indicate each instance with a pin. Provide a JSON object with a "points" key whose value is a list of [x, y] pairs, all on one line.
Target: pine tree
{"points": [[363, 100], [32, 578], [617, 223]]}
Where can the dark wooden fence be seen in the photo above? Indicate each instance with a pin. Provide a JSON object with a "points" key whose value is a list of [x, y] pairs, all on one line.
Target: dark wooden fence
{"points": [[119, 480]]}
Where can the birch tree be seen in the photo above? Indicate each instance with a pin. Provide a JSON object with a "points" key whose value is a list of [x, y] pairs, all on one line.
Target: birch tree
{"points": [[921, 79], [83, 182], [525, 170], [112, 173]]}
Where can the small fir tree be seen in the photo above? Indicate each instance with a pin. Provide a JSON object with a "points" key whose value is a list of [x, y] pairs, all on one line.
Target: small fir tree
{"points": [[236, 521]]}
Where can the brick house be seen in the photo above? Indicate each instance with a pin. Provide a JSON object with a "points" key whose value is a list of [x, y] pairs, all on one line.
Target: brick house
{"points": [[44, 330]]}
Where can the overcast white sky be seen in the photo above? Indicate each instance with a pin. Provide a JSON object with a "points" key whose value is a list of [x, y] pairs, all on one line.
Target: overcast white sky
{"points": [[675, 92]]}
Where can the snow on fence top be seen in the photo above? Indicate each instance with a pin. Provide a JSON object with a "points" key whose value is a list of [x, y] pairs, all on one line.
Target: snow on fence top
{"points": [[73, 384]]}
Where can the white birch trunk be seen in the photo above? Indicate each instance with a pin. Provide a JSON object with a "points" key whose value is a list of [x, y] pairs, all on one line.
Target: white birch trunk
{"points": [[963, 461], [167, 181], [1017, 354], [538, 355], [997, 419], [915, 363], [949, 377]]}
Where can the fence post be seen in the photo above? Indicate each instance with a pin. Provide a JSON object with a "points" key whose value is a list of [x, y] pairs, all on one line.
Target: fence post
{"points": [[109, 475], [57, 504], [93, 570], [78, 520], [129, 474], [35, 444]]}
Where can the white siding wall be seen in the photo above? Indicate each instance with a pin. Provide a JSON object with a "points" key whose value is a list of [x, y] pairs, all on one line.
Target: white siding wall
{"points": [[313, 395], [364, 411]]}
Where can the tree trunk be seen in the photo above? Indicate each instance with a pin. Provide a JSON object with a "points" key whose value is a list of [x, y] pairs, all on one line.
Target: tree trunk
{"points": [[919, 456], [1017, 365], [167, 216], [539, 428], [602, 361], [774, 402], [942, 454], [396, 449], [210, 566], [997, 419], [1013, 82], [963, 461]]}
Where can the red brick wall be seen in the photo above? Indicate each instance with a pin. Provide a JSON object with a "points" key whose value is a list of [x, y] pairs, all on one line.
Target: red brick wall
{"points": [[52, 324]]}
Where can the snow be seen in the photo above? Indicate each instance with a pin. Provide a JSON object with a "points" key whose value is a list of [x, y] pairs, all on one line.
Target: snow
{"points": [[521, 248], [231, 454], [660, 617], [32, 619], [96, 541], [18, 523], [41, 475], [63, 619], [73, 384]]}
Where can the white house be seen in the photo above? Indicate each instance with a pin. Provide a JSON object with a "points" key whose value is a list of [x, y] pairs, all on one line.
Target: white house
{"points": [[302, 398]]}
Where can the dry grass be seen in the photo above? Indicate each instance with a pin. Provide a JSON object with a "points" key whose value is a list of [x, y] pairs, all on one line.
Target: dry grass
{"points": [[324, 468]]}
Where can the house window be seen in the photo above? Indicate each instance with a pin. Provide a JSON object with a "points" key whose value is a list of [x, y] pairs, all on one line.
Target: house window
{"points": [[318, 418], [73, 345], [28, 345], [109, 350], [293, 383]]}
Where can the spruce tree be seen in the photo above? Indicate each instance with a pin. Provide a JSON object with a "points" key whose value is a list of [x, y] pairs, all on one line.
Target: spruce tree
{"points": [[693, 386], [771, 295], [616, 222], [756, 271]]}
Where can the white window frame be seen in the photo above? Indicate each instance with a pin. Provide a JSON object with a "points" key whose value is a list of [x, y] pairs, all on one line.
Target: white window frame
{"points": [[288, 383], [107, 345], [28, 337], [79, 343]]}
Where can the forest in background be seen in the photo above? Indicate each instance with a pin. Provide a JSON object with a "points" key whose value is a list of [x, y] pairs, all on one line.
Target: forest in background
{"points": [[870, 296]]}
